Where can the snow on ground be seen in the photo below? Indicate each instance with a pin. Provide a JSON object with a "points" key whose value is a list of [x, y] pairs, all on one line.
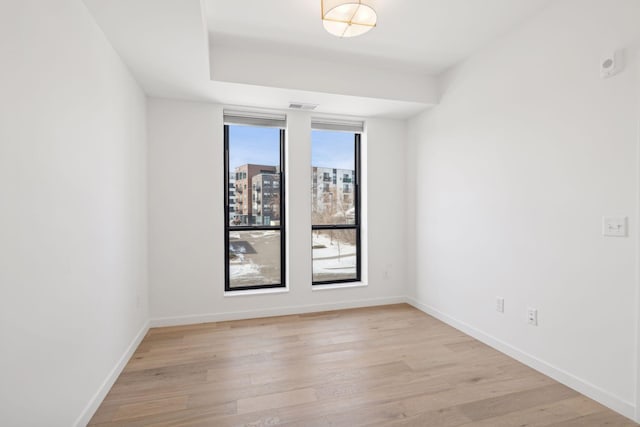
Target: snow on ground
{"points": [[334, 261], [331, 249], [259, 268], [246, 271], [336, 258]]}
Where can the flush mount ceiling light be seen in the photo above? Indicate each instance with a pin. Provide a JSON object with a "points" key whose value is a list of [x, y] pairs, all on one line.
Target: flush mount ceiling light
{"points": [[348, 18]]}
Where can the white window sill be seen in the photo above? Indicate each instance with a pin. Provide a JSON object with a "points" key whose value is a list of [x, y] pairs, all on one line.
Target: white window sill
{"points": [[256, 292], [338, 286]]}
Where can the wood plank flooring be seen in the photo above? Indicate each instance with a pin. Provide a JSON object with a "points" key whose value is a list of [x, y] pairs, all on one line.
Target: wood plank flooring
{"points": [[379, 366]]}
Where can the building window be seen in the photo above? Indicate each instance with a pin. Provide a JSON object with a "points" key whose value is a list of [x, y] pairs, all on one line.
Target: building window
{"points": [[335, 208], [254, 231]]}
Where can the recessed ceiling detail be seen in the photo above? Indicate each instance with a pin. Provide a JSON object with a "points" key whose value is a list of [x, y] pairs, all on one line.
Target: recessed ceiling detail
{"points": [[427, 36], [280, 51]]}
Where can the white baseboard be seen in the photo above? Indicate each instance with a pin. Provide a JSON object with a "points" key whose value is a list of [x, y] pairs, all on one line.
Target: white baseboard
{"points": [[96, 400], [594, 392], [270, 312]]}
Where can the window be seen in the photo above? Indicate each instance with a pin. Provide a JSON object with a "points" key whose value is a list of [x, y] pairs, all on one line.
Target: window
{"points": [[335, 208], [254, 231]]}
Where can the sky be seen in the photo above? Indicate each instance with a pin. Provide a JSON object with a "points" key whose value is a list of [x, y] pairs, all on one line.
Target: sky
{"points": [[257, 145], [332, 149]]}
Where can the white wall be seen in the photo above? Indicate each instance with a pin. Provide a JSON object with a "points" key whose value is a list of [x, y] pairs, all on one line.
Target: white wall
{"points": [[186, 249], [513, 172], [72, 212]]}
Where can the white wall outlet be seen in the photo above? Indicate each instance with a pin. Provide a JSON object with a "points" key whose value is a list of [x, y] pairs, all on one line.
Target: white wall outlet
{"points": [[614, 226], [500, 304], [532, 316]]}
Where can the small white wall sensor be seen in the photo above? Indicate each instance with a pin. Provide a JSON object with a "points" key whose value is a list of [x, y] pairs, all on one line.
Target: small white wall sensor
{"points": [[611, 64]]}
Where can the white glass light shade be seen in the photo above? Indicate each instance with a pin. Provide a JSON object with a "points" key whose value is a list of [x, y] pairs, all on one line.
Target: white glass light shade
{"points": [[348, 18]]}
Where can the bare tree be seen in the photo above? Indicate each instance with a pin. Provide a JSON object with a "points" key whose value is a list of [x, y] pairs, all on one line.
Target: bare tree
{"points": [[331, 210]]}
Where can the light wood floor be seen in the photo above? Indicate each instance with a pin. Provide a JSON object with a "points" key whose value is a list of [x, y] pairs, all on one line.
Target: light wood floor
{"points": [[380, 366]]}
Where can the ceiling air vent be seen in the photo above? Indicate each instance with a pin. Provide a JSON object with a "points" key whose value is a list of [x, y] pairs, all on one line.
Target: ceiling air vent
{"points": [[302, 106]]}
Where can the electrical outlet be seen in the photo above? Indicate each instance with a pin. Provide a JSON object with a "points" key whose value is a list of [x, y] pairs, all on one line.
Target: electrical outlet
{"points": [[500, 304], [532, 316]]}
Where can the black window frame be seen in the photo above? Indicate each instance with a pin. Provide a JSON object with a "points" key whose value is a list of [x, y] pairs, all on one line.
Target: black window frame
{"points": [[229, 228], [356, 225]]}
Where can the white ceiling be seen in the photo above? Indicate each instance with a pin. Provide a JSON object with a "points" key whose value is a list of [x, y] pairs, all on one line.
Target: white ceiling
{"points": [[171, 45], [425, 35]]}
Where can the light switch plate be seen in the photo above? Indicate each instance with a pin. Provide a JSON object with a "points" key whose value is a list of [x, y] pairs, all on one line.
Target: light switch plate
{"points": [[614, 226]]}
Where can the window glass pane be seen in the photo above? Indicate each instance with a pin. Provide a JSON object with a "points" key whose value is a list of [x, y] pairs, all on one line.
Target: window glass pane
{"points": [[334, 255], [332, 178], [254, 258], [254, 161]]}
